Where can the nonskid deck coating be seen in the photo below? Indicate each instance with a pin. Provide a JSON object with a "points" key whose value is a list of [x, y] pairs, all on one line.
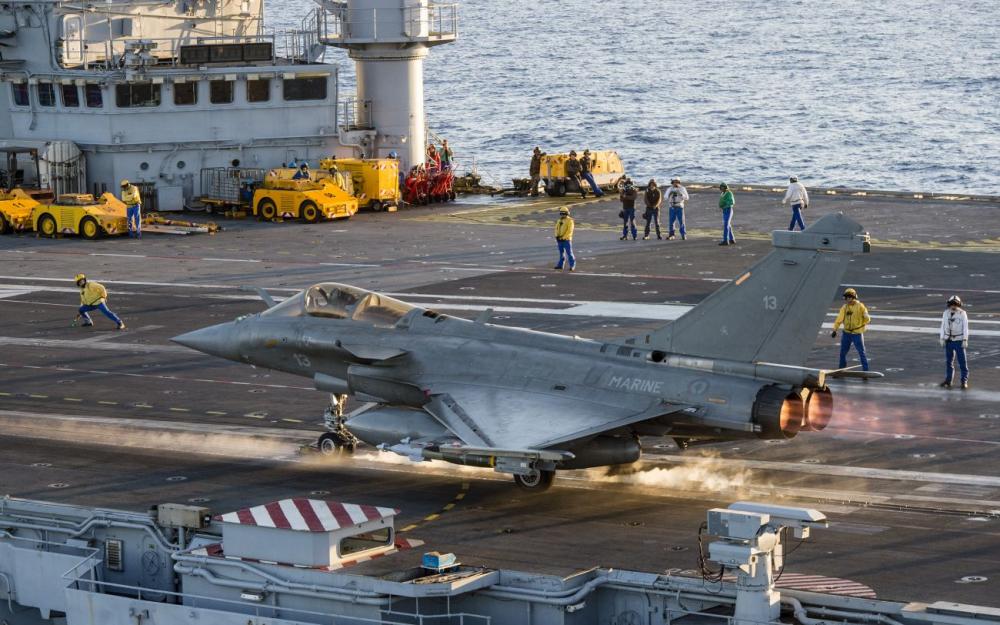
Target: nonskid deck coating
{"points": [[901, 424]]}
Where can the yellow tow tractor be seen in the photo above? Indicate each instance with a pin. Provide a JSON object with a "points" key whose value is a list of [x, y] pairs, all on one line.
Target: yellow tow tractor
{"points": [[607, 169], [15, 211], [276, 195], [375, 180], [82, 214]]}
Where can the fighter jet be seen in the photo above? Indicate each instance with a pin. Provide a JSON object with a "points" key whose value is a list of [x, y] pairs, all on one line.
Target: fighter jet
{"points": [[529, 403]]}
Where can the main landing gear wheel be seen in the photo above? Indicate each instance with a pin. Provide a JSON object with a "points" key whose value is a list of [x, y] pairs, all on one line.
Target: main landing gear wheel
{"points": [[537, 481], [333, 444]]}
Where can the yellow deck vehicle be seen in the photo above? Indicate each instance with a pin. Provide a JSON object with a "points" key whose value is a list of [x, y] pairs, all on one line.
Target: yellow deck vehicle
{"points": [[607, 169], [15, 211], [376, 180], [80, 213], [276, 195]]}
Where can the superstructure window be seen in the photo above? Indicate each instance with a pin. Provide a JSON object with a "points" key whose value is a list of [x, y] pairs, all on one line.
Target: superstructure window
{"points": [[259, 90], [93, 95], [313, 88], [70, 96], [135, 95], [221, 92], [46, 94], [19, 91], [185, 93]]}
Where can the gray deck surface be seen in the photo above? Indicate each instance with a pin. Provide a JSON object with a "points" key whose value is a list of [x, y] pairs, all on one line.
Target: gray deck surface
{"points": [[907, 472]]}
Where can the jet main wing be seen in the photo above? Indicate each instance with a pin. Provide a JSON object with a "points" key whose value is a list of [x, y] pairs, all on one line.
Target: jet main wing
{"points": [[523, 418]]}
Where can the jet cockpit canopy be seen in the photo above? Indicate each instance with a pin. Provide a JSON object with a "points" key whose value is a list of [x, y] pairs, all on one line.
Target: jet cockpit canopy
{"points": [[339, 301]]}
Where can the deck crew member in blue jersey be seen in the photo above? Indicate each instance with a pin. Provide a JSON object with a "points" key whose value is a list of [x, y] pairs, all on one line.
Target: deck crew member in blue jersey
{"points": [[677, 196], [93, 296], [799, 199], [727, 202], [302, 173], [586, 172], [564, 239], [627, 197], [854, 317], [954, 340], [132, 200]]}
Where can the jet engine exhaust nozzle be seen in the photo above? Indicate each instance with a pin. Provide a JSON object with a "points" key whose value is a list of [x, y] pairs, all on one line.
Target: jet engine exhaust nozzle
{"points": [[778, 412], [819, 410]]}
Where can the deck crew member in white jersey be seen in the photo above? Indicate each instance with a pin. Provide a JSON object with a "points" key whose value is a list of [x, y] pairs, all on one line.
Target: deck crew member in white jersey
{"points": [[954, 340], [799, 198]]}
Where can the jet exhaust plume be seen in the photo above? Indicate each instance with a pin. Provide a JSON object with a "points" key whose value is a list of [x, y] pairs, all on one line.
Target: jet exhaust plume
{"points": [[715, 476]]}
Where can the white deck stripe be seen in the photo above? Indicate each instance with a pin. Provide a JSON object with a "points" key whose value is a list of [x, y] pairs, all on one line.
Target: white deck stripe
{"points": [[261, 516], [293, 515], [354, 511], [326, 518]]}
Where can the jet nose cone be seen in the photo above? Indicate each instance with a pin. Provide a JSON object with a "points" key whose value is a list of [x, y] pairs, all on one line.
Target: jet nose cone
{"points": [[217, 340]]}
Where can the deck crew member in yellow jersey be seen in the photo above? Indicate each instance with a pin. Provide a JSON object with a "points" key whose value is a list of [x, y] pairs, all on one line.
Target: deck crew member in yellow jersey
{"points": [[854, 317], [133, 208], [93, 296], [564, 239]]}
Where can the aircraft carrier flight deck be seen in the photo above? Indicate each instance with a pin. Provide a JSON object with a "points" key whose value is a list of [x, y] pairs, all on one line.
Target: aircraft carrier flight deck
{"points": [[97, 417]]}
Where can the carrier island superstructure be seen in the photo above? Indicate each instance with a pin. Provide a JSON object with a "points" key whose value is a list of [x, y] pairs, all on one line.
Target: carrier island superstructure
{"points": [[155, 91]]}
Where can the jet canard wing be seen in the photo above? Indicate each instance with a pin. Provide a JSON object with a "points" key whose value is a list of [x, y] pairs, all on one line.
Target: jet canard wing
{"points": [[497, 417]]}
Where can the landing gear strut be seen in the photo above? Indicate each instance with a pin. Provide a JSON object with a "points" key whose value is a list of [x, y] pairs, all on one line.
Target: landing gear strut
{"points": [[538, 481], [338, 439]]}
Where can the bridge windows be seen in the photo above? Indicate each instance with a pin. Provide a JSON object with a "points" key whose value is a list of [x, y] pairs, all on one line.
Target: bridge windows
{"points": [[185, 93], [137, 95], [93, 95], [46, 94], [306, 88], [258, 89], [70, 96], [19, 93], [221, 91]]}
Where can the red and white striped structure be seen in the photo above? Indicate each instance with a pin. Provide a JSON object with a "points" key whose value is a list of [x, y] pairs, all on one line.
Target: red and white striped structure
{"points": [[307, 515]]}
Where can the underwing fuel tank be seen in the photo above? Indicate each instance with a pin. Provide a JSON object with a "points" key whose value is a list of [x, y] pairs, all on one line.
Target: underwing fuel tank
{"points": [[389, 425]]}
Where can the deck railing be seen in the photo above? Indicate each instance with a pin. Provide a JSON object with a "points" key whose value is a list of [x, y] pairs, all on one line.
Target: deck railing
{"points": [[430, 23]]}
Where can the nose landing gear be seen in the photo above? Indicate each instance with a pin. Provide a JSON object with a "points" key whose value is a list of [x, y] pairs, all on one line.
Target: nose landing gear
{"points": [[337, 440]]}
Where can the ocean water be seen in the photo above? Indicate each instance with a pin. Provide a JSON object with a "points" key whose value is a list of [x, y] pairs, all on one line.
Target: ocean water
{"points": [[887, 94]]}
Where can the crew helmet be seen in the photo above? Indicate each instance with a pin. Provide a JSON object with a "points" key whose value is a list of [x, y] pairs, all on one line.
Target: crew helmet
{"points": [[675, 181], [79, 277], [124, 182], [850, 293], [572, 152], [955, 300], [393, 154], [793, 179], [564, 210], [723, 187]]}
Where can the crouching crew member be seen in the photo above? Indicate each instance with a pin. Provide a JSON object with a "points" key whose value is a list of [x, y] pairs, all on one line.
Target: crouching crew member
{"points": [[93, 296], [854, 317], [133, 208], [954, 340], [564, 239]]}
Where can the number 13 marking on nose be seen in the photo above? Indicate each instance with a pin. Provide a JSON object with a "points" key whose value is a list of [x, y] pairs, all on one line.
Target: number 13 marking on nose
{"points": [[770, 302]]}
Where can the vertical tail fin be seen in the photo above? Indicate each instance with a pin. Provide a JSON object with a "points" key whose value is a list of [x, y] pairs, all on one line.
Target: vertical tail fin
{"points": [[773, 311]]}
